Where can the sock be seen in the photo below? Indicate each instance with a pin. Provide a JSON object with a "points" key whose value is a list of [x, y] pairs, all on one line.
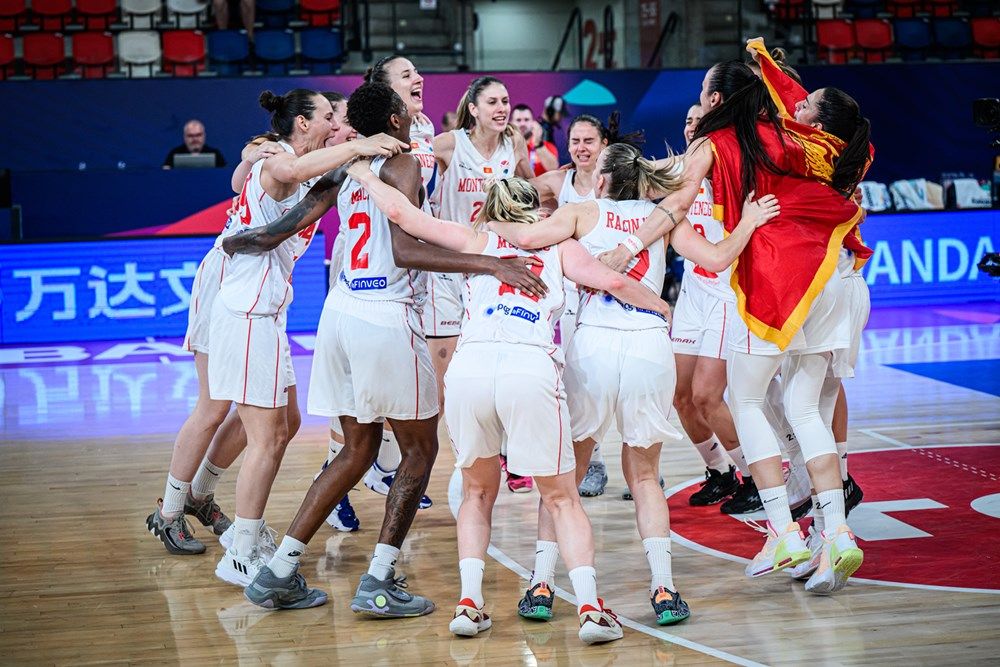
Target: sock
{"points": [[388, 454], [842, 453], [736, 454], [775, 502], [383, 563], [471, 571], [287, 557], [206, 479], [584, 580], [334, 449], [245, 538], [174, 497], [597, 456], [831, 504], [819, 522], [713, 454], [546, 555], [658, 555]]}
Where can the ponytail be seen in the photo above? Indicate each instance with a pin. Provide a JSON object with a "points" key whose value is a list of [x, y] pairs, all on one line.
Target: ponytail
{"points": [[509, 200], [286, 108], [632, 176]]}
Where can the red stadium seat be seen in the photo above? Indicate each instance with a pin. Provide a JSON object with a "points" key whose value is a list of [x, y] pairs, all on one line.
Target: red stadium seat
{"points": [[183, 52], [789, 11], [6, 56], [835, 40], [54, 14], [986, 36], [318, 13], [97, 14], [903, 9], [874, 37], [44, 55], [13, 14], [941, 7], [94, 54]]}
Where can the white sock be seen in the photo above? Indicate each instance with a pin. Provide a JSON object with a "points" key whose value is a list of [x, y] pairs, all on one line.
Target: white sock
{"points": [[206, 479], [658, 555], [842, 453], [546, 555], [245, 538], [174, 497], [819, 522], [471, 571], [597, 456], [287, 557], [584, 580], [383, 561], [334, 449], [775, 502], [388, 454], [713, 454], [831, 504], [736, 454]]}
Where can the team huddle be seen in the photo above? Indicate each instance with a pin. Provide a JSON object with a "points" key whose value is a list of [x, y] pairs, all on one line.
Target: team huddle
{"points": [[452, 269]]}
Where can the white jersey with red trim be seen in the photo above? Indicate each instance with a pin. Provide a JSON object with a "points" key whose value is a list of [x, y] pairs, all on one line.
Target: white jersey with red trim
{"points": [[702, 218], [368, 270], [498, 313], [261, 285], [615, 221], [462, 191], [569, 195], [422, 148]]}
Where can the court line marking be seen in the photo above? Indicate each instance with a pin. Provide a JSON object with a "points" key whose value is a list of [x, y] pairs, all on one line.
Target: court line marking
{"points": [[455, 500], [900, 427]]}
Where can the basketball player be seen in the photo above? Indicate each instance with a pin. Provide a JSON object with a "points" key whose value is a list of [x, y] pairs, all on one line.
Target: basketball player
{"points": [[620, 366], [370, 330]]}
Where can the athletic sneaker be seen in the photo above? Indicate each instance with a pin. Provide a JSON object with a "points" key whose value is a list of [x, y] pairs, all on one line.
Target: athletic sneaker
{"points": [[595, 481], [852, 495], [746, 500], [343, 518], [804, 570], [802, 509], [516, 483], [208, 512], [841, 557], [780, 551], [265, 540], [627, 493], [469, 619], [175, 533], [240, 570], [668, 606], [599, 625], [536, 603], [291, 592], [379, 481], [717, 487], [387, 599]]}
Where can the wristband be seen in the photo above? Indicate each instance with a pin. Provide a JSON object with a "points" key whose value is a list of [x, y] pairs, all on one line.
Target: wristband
{"points": [[633, 244]]}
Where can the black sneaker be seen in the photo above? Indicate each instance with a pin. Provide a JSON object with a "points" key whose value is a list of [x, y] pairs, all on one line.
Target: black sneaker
{"points": [[717, 487], [536, 603], [745, 500], [802, 509], [668, 606], [852, 495]]}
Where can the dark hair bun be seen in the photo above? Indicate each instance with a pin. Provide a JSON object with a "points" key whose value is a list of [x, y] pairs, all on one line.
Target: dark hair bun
{"points": [[271, 102], [779, 55]]}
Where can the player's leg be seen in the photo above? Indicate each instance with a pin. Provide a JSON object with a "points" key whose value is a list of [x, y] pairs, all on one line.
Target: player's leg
{"points": [[342, 517], [227, 444], [709, 387]]}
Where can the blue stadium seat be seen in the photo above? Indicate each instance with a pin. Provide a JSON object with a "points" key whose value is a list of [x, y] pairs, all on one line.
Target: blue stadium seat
{"points": [[953, 37], [864, 9], [228, 51], [275, 50], [275, 13], [913, 38], [322, 50]]}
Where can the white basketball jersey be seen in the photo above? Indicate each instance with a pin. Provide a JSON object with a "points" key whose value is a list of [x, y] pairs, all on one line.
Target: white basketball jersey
{"points": [[616, 220], [702, 218], [261, 284], [422, 148], [499, 313], [367, 269], [462, 184], [569, 195]]}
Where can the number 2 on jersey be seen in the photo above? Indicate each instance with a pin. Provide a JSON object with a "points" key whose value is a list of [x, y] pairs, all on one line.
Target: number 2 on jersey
{"points": [[476, 208], [510, 289], [359, 258], [698, 269]]}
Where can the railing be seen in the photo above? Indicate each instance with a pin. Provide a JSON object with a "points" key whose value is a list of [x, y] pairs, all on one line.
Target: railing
{"points": [[608, 43], [669, 27], [576, 16]]}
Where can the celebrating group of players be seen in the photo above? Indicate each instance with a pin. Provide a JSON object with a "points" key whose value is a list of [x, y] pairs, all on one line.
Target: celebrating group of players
{"points": [[452, 267]]}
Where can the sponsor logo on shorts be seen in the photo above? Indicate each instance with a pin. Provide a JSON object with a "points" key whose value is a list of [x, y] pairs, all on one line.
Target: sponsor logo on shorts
{"points": [[449, 323], [628, 307], [689, 341]]}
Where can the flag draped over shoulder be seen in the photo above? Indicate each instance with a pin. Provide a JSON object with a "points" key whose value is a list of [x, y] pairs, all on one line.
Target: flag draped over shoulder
{"points": [[787, 262]]}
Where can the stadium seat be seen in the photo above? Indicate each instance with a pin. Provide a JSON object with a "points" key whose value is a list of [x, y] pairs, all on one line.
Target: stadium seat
{"points": [[6, 56], [139, 48], [13, 15], [913, 38], [320, 13], [275, 13], [93, 54], [97, 14], [275, 49], [835, 41], [183, 52], [902, 9], [187, 13], [53, 14], [986, 36], [44, 55], [980, 7], [941, 7], [874, 38], [322, 50], [142, 14], [953, 37], [228, 51], [827, 9]]}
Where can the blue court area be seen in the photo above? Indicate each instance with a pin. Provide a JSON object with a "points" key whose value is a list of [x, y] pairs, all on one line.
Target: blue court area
{"points": [[977, 374]]}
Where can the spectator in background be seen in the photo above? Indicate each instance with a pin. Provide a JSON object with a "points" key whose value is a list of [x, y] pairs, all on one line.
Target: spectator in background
{"points": [[449, 121], [555, 111], [543, 155], [247, 12], [194, 144]]}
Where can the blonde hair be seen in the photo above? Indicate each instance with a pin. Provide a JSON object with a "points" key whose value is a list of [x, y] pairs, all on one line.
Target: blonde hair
{"points": [[631, 176], [464, 119], [509, 200]]}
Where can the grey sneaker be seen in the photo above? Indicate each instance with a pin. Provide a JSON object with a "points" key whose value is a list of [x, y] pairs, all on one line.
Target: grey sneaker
{"points": [[175, 533], [291, 592], [387, 599], [208, 512], [595, 481]]}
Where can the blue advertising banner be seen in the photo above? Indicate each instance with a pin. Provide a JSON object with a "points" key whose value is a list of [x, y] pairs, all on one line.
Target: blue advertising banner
{"points": [[118, 289]]}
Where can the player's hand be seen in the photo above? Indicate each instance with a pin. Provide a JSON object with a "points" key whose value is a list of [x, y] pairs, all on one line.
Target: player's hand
{"points": [[359, 169], [379, 145], [751, 50], [762, 211], [233, 208], [617, 259], [514, 271]]}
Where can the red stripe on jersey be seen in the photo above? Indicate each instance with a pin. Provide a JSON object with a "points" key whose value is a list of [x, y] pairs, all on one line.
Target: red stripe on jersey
{"points": [[723, 340], [246, 362], [416, 369], [559, 415], [434, 316], [277, 364], [259, 290]]}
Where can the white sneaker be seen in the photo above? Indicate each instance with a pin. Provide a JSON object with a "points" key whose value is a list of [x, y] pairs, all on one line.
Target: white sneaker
{"points": [[469, 619], [840, 558], [378, 480], [599, 625], [804, 569], [239, 570], [265, 540], [780, 551]]}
